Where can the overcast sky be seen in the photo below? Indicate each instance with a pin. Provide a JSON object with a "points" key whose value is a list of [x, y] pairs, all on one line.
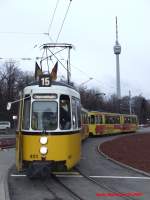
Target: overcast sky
{"points": [[90, 26]]}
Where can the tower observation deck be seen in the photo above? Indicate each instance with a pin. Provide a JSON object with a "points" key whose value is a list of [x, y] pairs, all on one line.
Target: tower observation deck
{"points": [[117, 51]]}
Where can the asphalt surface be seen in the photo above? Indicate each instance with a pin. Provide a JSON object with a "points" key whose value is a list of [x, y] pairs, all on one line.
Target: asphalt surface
{"points": [[7, 158], [113, 178], [95, 164]]}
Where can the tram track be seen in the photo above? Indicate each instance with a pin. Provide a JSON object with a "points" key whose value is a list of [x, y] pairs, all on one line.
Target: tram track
{"points": [[70, 192], [104, 186], [82, 187], [77, 196]]}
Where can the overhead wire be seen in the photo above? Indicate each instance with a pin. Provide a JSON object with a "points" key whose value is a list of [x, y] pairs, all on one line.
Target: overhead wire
{"points": [[85, 73], [53, 53], [63, 21], [50, 25], [57, 59], [89, 76], [48, 34], [60, 32], [51, 22], [23, 33]]}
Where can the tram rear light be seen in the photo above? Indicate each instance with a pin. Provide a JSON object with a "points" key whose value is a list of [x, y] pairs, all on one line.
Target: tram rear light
{"points": [[43, 140], [43, 150]]}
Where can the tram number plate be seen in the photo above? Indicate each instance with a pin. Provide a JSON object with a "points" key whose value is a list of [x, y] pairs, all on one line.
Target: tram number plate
{"points": [[45, 81], [34, 156]]}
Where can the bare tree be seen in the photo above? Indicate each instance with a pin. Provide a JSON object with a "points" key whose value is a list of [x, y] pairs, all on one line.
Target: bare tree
{"points": [[12, 80]]}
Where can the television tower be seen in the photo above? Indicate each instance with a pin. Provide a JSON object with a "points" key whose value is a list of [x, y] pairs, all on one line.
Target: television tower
{"points": [[117, 51]]}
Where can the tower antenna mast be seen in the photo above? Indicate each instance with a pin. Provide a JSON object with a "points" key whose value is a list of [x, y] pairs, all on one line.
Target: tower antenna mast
{"points": [[117, 51]]}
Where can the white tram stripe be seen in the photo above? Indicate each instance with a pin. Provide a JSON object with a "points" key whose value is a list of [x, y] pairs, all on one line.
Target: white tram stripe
{"points": [[80, 176]]}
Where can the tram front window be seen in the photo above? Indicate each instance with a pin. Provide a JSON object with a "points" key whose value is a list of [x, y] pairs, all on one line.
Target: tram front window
{"points": [[44, 115]]}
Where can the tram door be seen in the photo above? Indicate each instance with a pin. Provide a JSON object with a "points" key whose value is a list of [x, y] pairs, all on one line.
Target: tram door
{"points": [[19, 139]]}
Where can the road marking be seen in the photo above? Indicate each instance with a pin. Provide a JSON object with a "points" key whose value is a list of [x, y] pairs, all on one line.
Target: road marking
{"points": [[18, 175], [58, 175], [69, 176], [80, 176], [129, 194], [121, 177], [65, 173]]}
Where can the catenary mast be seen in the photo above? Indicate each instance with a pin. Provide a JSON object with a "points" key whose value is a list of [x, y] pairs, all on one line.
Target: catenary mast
{"points": [[117, 51]]}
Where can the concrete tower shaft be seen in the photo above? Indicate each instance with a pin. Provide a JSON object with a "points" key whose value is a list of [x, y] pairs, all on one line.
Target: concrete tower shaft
{"points": [[117, 51]]}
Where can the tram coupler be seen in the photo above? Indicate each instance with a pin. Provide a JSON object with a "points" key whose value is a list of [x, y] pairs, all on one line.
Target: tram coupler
{"points": [[39, 170]]}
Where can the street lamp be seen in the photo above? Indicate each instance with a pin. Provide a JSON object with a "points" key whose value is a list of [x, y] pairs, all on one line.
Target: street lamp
{"points": [[86, 81]]}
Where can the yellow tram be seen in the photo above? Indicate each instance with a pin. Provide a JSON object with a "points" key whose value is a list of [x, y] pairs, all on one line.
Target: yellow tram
{"points": [[84, 124], [48, 135], [103, 123]]}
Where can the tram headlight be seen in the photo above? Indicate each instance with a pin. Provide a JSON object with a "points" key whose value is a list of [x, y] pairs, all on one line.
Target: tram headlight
{"points": [[43, 140], [43, 150]]}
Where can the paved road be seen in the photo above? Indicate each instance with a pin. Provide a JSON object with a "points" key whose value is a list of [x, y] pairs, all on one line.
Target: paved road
{"points": [[145, 130], [7, 158], [96, 165], [93, 164]]}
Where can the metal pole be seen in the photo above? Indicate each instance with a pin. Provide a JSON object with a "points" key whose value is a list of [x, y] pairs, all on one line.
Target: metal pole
{"points": [[68, 67], [130, 106]]}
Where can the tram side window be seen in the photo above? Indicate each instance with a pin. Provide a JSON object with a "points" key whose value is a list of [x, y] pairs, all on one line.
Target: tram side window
{"points": [[26, 114], [78, 113], [129, 120], [89, 119], [126, 120], [106, 120], [100, 121], [83, 117], [65, 113], [74, 114], [116, 120], [86, 119], [134, 121], [92, 119], [96, 120], [109, 120]]}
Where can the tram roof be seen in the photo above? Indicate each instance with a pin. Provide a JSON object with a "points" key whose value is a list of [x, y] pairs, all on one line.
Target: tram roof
{"points": [[56, 87]]}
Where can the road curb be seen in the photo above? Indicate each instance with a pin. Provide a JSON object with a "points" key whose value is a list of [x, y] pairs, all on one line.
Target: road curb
{"points": [[121, 164]]}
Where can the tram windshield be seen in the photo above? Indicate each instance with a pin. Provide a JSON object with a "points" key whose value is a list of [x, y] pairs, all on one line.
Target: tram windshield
{"points": [[44, 115]]}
